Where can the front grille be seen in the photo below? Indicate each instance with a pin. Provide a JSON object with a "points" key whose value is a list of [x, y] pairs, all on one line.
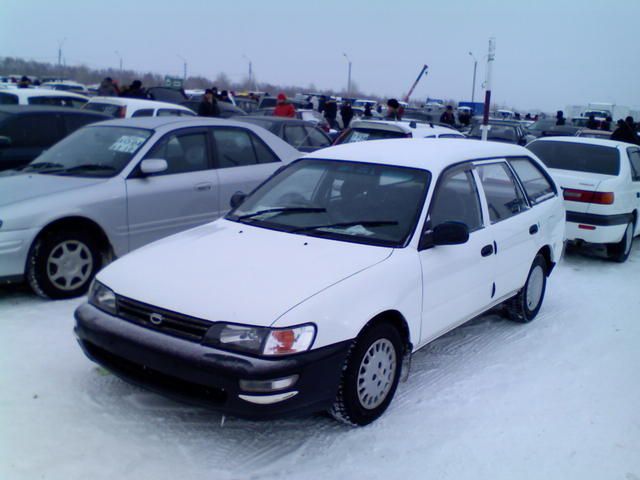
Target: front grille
{"points": [[166, 321]]}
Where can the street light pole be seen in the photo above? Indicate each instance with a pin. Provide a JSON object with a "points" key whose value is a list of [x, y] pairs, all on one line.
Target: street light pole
{"points": [[184, 68], [348, 76], [487, 94], [473, 85], [251, 82], [60, 44]]}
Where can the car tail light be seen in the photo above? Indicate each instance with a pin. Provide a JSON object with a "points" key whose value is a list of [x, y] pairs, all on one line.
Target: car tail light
{"points": [[586, 196], [586, 227]]}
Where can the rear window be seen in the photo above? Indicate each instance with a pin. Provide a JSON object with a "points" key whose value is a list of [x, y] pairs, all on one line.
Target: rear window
{"points": [[364, 134], [108, 108], [8, 99], [578, 157]]}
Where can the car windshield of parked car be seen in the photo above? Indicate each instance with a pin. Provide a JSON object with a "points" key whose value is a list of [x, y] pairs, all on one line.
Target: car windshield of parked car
{"points": [[98, 151], [349, 201], [497, 132], [542, 124], [364, 134], [578, 157]]}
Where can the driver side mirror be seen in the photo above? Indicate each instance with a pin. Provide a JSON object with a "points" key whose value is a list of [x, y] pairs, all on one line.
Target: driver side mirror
{"points": [[5, 141], [447, 233], [237, 199], [150, 166]]}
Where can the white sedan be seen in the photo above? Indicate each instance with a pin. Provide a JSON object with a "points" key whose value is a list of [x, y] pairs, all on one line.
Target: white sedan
{"points": [[601, 183], [314, 291]]}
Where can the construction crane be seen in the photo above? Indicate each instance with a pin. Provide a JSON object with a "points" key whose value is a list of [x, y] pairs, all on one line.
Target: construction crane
{"points": [[413, 87]]}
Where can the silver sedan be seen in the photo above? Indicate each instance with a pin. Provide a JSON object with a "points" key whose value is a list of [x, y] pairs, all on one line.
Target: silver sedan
{"points": [[112, 187]]}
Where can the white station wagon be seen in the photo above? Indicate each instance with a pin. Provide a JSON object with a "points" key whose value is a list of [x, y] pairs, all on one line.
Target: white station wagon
{"points": [[600, 180], [314, 291]]}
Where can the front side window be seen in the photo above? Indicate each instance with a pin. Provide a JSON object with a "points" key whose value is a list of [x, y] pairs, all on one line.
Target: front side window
{"points": [[184, 152], [33, 130], [535, 183], [456, 200], [350, 201], [504, 197]]}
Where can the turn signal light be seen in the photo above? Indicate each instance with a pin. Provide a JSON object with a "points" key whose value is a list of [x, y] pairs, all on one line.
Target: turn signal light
{"points": [[586, 196]]}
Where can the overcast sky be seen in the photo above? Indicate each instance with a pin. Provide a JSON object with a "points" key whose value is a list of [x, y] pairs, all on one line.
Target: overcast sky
{"points": [[549, 53]]}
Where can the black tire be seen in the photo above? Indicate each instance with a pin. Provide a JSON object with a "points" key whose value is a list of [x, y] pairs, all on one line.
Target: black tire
{"points": [[619, 252], [349, 407], [81, 254], [527, 303]]}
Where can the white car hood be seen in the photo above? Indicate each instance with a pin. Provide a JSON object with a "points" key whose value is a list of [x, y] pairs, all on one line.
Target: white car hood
{"points": [[227, 271], [25, 186]]}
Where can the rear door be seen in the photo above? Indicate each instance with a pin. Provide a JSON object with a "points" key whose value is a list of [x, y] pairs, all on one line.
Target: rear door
{"points": [[182, 197], [30, 135]]}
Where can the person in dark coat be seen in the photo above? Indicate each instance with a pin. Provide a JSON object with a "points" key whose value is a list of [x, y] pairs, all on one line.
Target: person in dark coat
{"points": [[209, 105], [367, 111], [135, 90], [346, 112], [393, 110], [560, 120], [626, 132], [447, 116], [107, 88], [331, 113], [591, 123]]}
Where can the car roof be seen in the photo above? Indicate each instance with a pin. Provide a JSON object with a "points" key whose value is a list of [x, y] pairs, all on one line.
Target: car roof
{"points": [[427, 153], [42, 92], [172, 122], [272, 119], [20, 109], [136, 102], [584, 140]]}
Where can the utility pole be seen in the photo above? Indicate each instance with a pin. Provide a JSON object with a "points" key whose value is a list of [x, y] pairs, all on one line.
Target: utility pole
{"points": [[348, 76], [487, 93], [251, 82], [120, 57], [473, 85], [184, 69], [60, 44]]}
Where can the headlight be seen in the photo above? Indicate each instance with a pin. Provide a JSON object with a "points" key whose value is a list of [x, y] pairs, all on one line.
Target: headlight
{"points": [[261, 340], [102, 297]]}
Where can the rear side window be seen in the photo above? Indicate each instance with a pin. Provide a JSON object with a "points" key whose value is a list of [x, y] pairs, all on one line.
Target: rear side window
{"points": [[8, 99], [456, 200], [317, 138], [168, 112], [295, 135], [578, 157], [504, 197], [145, 112], [57, 101], [108, 108], [237, 148], [536, 185], [634, 159]]}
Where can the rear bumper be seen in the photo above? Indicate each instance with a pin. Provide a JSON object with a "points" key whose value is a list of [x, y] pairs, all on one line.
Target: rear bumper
{"points": [[206, 376], [593, 228]]}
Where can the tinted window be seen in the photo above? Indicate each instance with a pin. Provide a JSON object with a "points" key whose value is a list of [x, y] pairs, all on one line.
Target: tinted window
{"points": [[505, 133], [184, 152], [363, 134], [578, 157], [456, 200], [145, 112], [295, 135], [504, 197], [57, 101], [535, 183], [74, 122], [33, 130], [634, 158], [317, 138], [237, 147], [168, 112], [108, 108], [8, 99]]}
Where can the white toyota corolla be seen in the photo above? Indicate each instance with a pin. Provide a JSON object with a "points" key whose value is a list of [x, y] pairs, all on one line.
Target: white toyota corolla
{"points": [[313, 292]]}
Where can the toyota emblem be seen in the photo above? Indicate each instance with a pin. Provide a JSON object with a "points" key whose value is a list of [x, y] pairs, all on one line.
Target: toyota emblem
{"points": [[156, 318]]}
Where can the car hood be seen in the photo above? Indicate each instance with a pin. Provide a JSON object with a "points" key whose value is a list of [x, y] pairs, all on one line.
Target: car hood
{"points": [[25, 186], [228, 271]]}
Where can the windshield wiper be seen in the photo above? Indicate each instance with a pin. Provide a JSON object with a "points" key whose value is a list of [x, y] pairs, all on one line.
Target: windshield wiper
{"points": [[32, 167], [283, 210], [364, 223], [89, 167]]}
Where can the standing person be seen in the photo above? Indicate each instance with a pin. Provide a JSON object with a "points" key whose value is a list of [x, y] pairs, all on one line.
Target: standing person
{"points": [[209, 105], [107, 88], [447, 116], [367, 111], [331, 113], [25, 82], [591, 123], [346, 112], [393, 110], [625, 132], [283, 107], [135, 90], [606, 125], [560, 120], [224, 96], [321, 103]]}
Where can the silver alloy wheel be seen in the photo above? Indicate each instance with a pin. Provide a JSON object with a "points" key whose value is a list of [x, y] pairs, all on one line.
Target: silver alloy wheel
{"points": [[628, 238], [69, 265], [534, 287], [376, 373]]}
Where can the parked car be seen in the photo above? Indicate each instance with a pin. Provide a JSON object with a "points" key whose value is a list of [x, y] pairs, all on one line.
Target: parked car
{"points": [[67, 86], [41, 96], [560, 131], [305, 114], [589, 133], [600, 180], [227, 110], [113, 187], [304, 136], [503, 131], [363, 130], [315, 290], [27, 131], [122, 107], [541, 125]]}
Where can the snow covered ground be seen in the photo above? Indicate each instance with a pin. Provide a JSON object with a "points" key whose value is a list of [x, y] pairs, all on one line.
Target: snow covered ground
{"points": [[555, 399]]}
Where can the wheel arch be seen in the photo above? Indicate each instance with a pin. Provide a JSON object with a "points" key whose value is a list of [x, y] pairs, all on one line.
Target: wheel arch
{"points": [[546, 254], [397, 320]]}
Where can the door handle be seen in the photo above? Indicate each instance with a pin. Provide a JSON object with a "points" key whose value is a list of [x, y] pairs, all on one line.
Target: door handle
{"points": [[486, 250], [201, 187], [533, 229]]}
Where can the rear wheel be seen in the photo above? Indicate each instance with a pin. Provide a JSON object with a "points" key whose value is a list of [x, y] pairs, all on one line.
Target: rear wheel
{"points": [[370, 376], [527, 303], [619, 252], [62, 264]]}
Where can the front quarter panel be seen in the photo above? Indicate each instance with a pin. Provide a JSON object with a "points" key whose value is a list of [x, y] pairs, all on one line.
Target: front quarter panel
{"points": [[342, 310]]}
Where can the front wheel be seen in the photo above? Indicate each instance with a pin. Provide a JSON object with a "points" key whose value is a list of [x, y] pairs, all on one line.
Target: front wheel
{"points": [[526, 304], [62, 264], [370, 376], [619, 252]]}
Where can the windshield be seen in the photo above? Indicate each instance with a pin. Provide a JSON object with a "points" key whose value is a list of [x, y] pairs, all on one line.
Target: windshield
{"points": [[108, 108], [364, 134], [542, 124], [497, 132], [98, 151], [357, 202], [578, 157]]}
